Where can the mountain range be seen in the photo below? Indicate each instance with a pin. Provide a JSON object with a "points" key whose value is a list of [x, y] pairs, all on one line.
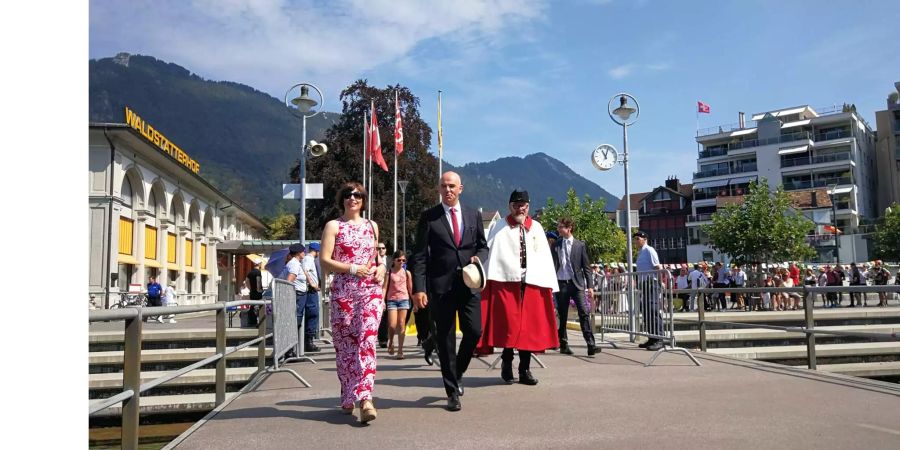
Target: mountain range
{"points": [[246, 141]]}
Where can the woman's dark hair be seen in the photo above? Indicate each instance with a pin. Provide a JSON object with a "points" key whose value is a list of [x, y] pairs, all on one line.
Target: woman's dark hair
{"points": [[398, 254], [346, 189]]}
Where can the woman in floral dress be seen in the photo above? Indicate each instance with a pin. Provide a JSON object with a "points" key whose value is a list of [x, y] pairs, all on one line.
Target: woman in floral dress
{"points": [[348, 251]]}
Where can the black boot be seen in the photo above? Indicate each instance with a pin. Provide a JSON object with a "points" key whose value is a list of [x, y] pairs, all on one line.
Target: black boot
{"points": [[526, 378], [506, 372]]}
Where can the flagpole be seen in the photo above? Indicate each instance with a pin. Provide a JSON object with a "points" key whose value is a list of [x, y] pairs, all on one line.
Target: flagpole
{"points": [[440, 144], [371, 187], [396, 169], [365, 148]]}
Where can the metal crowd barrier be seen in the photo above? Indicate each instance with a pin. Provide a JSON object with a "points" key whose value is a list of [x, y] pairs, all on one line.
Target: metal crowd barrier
{"points": [[286, 334], [640, 304]]}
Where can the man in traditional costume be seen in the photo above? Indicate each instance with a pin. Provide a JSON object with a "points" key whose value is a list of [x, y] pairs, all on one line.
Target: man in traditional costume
{"points": [[517, 301]]}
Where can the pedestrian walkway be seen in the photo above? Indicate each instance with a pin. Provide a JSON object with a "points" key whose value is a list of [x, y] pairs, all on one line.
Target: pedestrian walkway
{"points": [[608, 401]]}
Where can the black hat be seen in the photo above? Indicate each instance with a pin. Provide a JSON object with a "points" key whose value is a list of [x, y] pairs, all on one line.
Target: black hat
{"points": [[296, 248], [639, 234], [519, 196]]}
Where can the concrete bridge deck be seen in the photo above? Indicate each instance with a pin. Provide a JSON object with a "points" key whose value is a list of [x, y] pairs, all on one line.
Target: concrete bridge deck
{"points": [[608, 401]]}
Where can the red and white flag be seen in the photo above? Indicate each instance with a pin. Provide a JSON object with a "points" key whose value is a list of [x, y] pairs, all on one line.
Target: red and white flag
{"points": [[375, 142], [398, 125], [702, 107]]}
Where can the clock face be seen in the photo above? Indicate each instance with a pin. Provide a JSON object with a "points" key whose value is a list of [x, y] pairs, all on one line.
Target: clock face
{"points": [[604, 157]]}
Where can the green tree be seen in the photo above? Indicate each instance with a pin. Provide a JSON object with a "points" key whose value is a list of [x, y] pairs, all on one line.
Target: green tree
{"points": [[763, 228], [604, 240], [887, 235], [343, 162], [282, 226]]}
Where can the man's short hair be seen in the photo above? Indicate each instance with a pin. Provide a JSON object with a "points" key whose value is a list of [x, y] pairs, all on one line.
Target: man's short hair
{"points": [[567, 222]]}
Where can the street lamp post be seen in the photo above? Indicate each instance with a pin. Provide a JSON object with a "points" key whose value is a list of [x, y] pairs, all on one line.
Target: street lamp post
{"points": [[621, 116], [403, 184], [301, 107], [837, 239]]}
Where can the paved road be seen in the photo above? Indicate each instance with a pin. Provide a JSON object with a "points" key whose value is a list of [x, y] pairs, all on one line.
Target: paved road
{"points": [[609, 401]]}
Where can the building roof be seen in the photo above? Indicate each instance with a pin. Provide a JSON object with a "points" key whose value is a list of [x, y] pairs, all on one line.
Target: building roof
{"points": [[635, 201]]}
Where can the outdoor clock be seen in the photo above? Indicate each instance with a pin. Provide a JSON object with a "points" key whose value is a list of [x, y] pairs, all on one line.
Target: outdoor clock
{"points": [[604, 157]]}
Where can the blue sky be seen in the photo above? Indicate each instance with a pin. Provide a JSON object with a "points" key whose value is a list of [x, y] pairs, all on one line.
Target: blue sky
{"points": [[525, 76]]}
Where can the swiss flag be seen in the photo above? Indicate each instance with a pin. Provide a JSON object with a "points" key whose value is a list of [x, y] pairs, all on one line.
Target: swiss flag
{"points": [[375, 141], [702, 107], [398, 125]]}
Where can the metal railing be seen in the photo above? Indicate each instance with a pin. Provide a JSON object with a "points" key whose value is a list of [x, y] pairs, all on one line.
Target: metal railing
{"points": [[807, 294], [750, 167], [837, 134], [806, 160], [699, 217], [823, 182], [131, 370]]}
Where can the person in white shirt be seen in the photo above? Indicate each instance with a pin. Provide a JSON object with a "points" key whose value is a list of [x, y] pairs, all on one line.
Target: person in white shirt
{"points": [[681, 282], [168, 299]]}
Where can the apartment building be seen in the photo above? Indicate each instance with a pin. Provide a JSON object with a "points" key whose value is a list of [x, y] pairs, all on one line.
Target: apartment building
{"points": [[662, 215], [888, 150], [818, 155]]}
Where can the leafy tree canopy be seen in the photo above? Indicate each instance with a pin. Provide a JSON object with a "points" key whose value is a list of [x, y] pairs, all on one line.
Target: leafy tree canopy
{"points": [[762, 228], [604, 240], [887, 235], [344, 160], [281, 226]]}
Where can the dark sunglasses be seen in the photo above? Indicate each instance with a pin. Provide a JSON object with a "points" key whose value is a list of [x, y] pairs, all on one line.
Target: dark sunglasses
{"points": [[400, 260], [356, 195]]}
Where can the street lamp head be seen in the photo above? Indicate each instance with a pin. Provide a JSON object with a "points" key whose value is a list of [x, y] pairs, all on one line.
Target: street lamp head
{"points": [[624, 111], [304, 102]]}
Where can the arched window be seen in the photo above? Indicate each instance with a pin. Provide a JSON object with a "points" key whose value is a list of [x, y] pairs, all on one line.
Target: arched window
{"points": [[151, 204], [127, 193]]}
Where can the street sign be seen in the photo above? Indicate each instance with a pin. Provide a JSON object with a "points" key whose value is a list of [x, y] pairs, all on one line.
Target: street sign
{"points": [[314, 191], [620, 219]]}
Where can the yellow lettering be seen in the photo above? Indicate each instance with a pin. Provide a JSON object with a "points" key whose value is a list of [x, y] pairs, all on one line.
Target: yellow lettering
{"points": [[164, 144]]}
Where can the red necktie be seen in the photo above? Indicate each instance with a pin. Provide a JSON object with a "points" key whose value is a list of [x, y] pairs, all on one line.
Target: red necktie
{"points": [[456, 237]]}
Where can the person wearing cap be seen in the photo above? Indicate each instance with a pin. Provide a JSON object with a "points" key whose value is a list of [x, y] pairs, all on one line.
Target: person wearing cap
{"points": [[293, 273], [448, 238], [648, 260], [517, 301], [570, 263]]}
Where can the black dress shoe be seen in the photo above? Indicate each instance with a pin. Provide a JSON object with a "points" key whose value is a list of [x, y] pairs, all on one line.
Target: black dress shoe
{"points": [[655, 346], [506, 372], [459, 386], [647, 344], [526, 378], [428, 359], [592, 350], [566, 350], [453, 403], [309, 347]]}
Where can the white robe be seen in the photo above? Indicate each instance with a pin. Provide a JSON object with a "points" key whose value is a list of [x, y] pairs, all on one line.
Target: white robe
{"points": [[503, 262]]}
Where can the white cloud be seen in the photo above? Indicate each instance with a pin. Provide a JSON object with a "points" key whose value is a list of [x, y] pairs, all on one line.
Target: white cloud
{"points": [[271, 44], [619, 72]]}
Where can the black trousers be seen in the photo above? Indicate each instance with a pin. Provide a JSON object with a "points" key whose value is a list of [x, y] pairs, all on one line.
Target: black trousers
{"points": [[444, 309], [567, 290], [720, 302], [524, 358], [424, 326]]}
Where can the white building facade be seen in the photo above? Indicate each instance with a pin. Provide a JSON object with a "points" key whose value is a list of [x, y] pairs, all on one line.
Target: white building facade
{"points": [[152, 214], [812, 154]]}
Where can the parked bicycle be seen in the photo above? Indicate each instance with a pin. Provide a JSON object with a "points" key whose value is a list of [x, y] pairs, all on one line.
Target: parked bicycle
{"points": [[130, 300]]}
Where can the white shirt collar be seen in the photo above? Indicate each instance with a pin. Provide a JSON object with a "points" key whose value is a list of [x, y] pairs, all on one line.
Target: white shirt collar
{"points": [[447, 208]]}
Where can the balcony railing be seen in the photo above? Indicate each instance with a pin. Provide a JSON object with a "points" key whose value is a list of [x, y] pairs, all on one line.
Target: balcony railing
{"points": [[699, 218], [747, 167], [809, 184], [750, 143], [806, 160], [837, 134]]}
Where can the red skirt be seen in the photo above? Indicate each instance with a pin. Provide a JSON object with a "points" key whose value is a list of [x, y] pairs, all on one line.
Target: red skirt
{"points": [[511, 320]]}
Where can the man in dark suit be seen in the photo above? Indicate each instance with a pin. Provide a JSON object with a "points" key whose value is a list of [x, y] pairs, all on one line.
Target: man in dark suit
{"points": [[574, 275], [448, 238]]}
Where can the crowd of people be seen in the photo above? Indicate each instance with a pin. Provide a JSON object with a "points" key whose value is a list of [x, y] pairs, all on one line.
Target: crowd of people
{"points": [[722, 277], [509, 287]]}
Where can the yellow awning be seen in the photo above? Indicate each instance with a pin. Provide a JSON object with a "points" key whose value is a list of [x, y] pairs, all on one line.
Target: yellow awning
{"points": [[190, 269], [126, 259], [152, 263], [173, 266]]}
